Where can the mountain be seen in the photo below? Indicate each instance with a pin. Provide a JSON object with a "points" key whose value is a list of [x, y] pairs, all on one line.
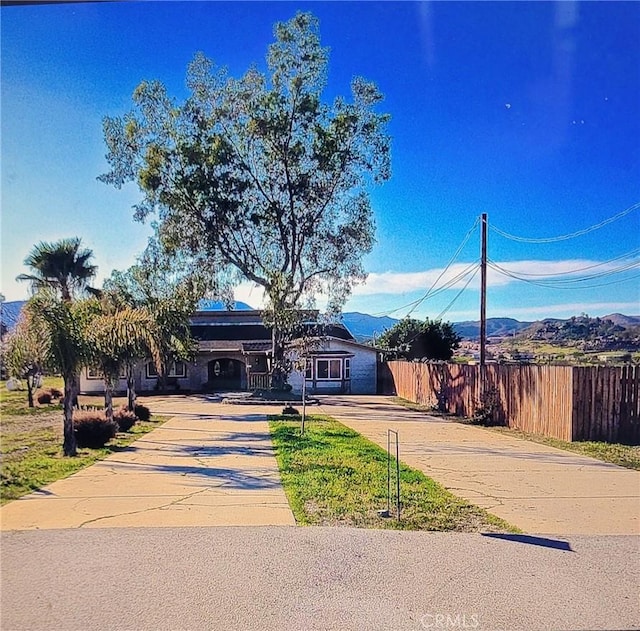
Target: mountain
{"points": [[623, 320], [496, 327], [364, 327]]}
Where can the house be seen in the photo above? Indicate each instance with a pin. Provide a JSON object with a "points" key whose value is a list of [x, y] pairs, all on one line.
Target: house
{"points": [[235, 353]]}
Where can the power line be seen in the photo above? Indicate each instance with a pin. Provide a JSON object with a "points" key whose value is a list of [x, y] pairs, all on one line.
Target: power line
{"points": [[414, 304], [571, 235], [444, 311], [452, 281], [557, 284], [579, 269], [570, 279]]}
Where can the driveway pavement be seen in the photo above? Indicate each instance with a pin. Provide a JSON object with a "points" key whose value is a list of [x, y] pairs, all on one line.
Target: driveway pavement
{"points": [[540, 489], [210, 465], [314, 579]]}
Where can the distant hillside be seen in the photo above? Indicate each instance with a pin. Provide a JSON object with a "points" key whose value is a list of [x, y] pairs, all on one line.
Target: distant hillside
{"points": [[496, 327], [364, 327], [583, 329], [623, 320]]}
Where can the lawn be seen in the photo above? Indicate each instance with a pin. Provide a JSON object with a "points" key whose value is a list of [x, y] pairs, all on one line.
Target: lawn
{"points": [[333, 476], [31, 444], [14, 402]]}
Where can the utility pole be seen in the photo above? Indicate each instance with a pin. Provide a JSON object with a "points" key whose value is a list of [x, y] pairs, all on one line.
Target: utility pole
{"points": [[483, 293]]}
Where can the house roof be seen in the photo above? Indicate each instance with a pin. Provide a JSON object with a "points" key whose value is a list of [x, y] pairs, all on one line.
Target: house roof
{"points": [[247, 326]]}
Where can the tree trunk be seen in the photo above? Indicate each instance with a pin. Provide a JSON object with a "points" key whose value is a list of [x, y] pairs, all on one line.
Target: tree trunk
{"points": [[108, 398], [278, 368], [131, 389], [30, 388], [69, 445]]}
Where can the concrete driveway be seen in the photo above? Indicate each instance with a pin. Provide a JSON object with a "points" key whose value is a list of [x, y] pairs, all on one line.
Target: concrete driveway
{"points": [[540, 489], [210, 465]]}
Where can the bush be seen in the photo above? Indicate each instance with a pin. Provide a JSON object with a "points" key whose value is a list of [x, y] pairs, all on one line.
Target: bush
{"points": [[47, 395], [93, 429], [44, 397], [290, 411], [142, 412], [125, 419]]}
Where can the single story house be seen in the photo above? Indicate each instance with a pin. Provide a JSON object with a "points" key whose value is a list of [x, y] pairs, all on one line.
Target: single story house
{"points": [[235, 353]]}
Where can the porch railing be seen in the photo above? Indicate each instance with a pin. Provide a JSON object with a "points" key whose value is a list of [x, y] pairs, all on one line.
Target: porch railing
{"points": [[259, 381]]}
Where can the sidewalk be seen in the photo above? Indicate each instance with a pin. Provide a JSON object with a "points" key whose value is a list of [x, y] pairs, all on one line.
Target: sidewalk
{"points": [[537, 488], [210, 465]]}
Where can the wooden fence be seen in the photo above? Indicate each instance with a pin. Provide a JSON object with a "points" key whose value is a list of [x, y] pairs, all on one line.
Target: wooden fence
{"points": [[566, 402]]}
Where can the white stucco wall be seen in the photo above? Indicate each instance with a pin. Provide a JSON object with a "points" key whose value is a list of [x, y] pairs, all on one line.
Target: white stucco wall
{"points": [[363, 369]]}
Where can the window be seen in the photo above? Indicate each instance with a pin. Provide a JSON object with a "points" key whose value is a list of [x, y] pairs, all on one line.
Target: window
{"points": [[94, 373], [328, 369], [347, 368], [177, 369]]}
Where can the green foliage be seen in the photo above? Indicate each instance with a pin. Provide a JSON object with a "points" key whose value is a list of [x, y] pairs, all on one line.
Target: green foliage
{"points": [[411, 339], [257, 178], [167, 291], [24, 354], [93, 429], [63, 266]]}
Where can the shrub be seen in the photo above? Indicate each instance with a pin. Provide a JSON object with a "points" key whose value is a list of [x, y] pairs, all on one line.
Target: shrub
{"points": [[142, 412], [93, 429], [56, 393], [125, 419], [290, 411], [44, 397]]}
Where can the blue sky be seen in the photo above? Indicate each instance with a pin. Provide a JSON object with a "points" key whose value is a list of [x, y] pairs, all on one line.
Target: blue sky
{"points": [[529, 112]]}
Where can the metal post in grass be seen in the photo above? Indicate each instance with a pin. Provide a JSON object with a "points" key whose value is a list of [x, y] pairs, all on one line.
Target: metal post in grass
{"points": [[304, 394], [397, 441]]}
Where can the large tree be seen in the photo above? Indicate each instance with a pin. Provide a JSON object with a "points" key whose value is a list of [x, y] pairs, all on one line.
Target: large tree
{"points": [[24, 353], [257, 178], [412, 339], [64, 266]]}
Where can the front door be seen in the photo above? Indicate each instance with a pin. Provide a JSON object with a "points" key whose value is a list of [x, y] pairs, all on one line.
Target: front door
{"points": [[225, 374]]}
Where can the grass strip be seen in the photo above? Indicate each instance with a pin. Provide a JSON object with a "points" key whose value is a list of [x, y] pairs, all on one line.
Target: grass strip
{"points": [[333, 476], [627, 456], [32, 457]]}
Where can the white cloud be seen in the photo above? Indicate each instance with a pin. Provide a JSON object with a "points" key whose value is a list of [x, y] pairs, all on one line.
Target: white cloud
{"points": [[406, 282], [251, 294]]}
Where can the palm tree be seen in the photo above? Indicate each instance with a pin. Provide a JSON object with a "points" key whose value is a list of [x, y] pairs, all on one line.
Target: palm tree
{"points": [[63, 325], [63, 266], [116, 340]]}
